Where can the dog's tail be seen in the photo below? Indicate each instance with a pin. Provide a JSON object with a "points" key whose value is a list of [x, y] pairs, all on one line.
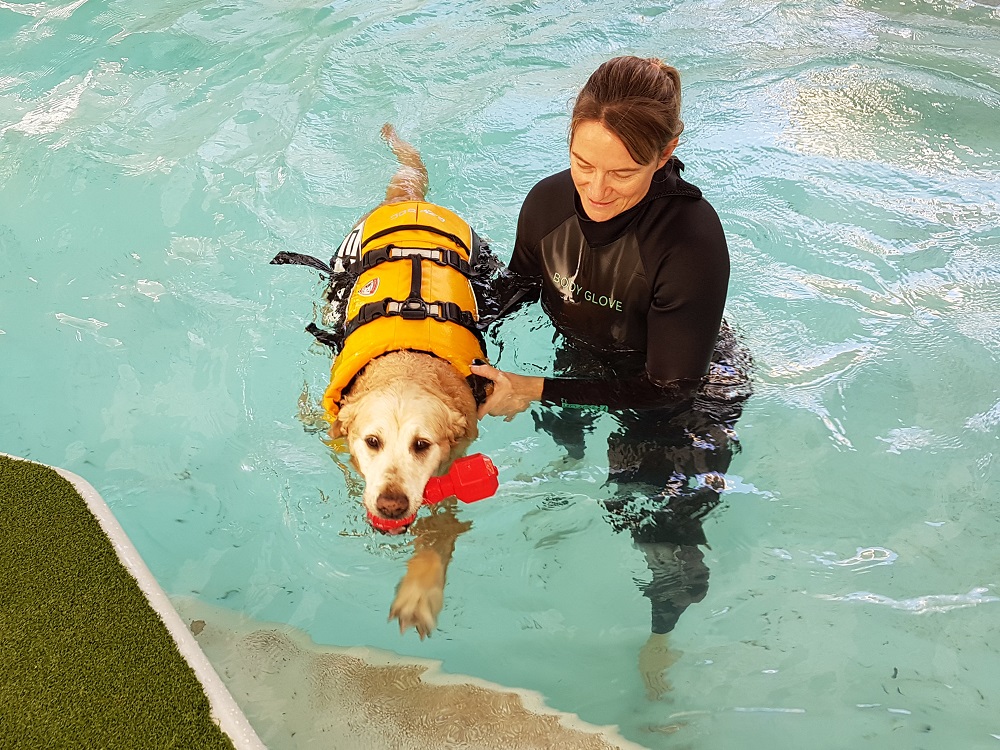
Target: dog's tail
{"points": [[410, 181]]}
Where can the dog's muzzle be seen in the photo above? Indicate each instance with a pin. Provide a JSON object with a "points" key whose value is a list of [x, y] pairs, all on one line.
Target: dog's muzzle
{"points": [[470, 479]]}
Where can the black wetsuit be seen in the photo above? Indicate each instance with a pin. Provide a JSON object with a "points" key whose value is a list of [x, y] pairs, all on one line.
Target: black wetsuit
{"points": [[637, 303]]}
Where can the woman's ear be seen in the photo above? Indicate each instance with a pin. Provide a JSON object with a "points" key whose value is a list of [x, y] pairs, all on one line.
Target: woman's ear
{"points": [[667, 153]]}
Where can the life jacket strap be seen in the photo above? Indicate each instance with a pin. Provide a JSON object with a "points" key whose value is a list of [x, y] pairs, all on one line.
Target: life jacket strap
{"points": [[413, 308], [325, 337], [286, 258], [439, 255]]}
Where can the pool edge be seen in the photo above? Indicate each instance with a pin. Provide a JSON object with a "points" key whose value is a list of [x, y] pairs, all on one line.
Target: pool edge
{"points": [[224, 709]]}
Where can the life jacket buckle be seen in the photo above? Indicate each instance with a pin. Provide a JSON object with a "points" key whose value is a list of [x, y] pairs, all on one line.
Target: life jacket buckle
{"points": [[413, 308]]}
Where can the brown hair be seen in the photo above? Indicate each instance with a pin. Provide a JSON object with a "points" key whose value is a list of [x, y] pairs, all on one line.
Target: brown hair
{"points": [[638, 99]]}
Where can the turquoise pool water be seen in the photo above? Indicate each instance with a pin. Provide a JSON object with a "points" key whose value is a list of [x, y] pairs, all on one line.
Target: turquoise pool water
{"points": [[154, 157]]}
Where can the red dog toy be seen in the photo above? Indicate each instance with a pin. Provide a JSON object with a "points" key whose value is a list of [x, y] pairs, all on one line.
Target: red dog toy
{"points": [[469, 479]]}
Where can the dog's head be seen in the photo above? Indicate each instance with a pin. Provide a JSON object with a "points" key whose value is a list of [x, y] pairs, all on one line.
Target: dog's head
{"points": [[402, 428]]}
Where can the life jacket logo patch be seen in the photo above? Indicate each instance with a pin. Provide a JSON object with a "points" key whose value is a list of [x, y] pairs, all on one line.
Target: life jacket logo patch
{"points": [[369, 288]]}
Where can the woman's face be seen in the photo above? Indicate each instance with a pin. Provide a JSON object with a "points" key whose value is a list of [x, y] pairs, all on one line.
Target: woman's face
{"points": [[606, 176]]}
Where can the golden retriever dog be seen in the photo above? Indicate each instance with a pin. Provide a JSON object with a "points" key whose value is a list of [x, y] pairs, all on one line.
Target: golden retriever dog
{"points": [[405, 414]]}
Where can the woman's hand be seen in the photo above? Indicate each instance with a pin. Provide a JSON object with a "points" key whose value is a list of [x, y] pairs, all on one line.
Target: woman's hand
{"points": [[512, 393]]}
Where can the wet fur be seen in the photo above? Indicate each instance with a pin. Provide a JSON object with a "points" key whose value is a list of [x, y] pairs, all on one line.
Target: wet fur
{"points": [[406, 417]]}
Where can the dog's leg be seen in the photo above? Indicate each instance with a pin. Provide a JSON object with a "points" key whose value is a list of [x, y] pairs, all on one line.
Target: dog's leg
{"points": [[410, 181], [420, 594]]}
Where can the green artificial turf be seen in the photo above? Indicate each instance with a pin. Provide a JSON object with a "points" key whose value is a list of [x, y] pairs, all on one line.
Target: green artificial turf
{"points": [[85, 661]]}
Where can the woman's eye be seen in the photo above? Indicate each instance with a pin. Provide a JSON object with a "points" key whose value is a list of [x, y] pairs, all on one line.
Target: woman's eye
{"points": [[373, 442]]}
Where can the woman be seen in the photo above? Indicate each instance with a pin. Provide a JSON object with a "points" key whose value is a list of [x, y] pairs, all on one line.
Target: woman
{"points": [[630, 262]]}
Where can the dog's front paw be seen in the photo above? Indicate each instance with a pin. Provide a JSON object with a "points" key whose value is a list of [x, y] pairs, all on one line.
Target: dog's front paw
{"points": [[420, 595]]}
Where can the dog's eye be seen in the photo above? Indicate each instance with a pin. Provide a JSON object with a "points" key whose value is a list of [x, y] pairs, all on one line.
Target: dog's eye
{"points": [[421, 446], [373, 442]]}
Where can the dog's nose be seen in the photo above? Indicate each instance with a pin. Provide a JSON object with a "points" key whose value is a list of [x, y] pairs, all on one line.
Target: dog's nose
{"points": [[392, 503]]}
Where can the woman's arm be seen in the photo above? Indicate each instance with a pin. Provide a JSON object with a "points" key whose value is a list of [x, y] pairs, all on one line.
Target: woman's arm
{"points": [[501, 293], [624, 393], [511, 394], [689, 288]]}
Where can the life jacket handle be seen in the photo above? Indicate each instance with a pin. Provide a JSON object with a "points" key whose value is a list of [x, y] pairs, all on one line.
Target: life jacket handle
{"points": [[439, 255], [415, 228]]}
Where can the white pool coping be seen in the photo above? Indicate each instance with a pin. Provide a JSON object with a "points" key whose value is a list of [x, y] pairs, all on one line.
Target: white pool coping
{"points": [[224, 710]]}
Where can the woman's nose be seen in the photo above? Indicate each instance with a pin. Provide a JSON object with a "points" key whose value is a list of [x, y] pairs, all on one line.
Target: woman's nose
{"points": [[598, 186]]}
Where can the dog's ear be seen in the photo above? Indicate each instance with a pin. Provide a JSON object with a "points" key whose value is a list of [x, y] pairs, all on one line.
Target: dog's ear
{"points": [[462, 424], [460, 428], [341, 425]]}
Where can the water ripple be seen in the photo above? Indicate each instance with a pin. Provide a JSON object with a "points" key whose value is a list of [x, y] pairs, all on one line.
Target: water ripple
{"points": [[865, 558], [985, 421], [916, 438], [90, 326], [922, 604]]}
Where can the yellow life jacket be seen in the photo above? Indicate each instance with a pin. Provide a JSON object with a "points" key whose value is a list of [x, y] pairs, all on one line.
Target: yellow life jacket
{"points": [[413, 292]]}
